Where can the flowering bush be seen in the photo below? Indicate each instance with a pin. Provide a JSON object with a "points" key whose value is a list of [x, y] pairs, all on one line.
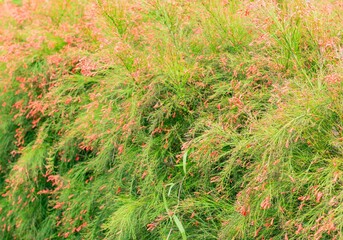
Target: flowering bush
{"points": [[171, 119]]}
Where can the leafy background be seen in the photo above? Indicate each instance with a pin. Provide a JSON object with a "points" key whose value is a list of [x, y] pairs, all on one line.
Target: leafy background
{"points": [[159, 119]]}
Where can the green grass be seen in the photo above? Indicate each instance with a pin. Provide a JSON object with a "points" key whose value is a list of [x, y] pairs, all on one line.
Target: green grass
{"points": [[171, 120]]}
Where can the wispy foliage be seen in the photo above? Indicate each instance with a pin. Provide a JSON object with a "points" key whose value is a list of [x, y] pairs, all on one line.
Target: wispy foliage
{"points": [[171, 119]]}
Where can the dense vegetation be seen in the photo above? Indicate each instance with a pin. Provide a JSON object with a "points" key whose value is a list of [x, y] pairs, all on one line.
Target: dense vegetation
{"points": [[163, 119]]}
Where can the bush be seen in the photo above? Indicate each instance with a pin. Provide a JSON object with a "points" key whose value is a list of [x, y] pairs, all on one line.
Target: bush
{"points": [[171, 119]]}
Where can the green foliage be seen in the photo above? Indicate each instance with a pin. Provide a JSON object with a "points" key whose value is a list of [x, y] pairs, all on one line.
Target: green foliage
{"points": [[171, 120]]}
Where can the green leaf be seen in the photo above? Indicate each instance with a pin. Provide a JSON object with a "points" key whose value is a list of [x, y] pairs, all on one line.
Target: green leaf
{"points": [[184, 161], [174, 218], [180, 227]]}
